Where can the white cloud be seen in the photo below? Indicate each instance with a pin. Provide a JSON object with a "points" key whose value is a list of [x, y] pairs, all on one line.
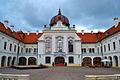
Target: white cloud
{"points": [[86, 29]]}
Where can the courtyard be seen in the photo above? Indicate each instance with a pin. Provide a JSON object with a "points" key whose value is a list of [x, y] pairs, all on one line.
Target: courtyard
{"points": [[61, 73]]}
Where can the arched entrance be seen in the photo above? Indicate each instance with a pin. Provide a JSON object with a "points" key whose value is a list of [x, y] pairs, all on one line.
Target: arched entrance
{"points": [[9, 60], [87, 61], [31, 61], [22, 61], [59, 61], [116, 61], [13, 61], [97, 61], [3, 61]]}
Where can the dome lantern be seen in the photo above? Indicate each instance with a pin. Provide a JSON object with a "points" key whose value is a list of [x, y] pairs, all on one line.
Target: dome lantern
{"points": [[59, 13], [61, 18]]}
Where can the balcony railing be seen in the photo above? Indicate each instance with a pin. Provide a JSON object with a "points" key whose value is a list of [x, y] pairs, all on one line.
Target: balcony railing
{"points": [[47, 53], [70, 52], [91, 54], [27, 54], [59, 54]]}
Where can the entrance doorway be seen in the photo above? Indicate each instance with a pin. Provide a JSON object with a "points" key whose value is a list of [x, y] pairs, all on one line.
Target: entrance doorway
{"points": [[59, 61]]}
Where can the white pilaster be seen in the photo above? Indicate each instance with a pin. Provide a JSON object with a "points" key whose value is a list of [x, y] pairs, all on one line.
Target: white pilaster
{"points": [[118, 61], [92, 61], [5, 62], [26, 60], [11, 61], [113, 62]]}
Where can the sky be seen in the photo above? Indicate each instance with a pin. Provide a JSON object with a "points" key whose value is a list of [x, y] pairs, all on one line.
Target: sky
{"points": [[88, 15]]}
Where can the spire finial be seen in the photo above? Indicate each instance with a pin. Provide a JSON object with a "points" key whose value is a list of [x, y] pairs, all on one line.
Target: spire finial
{"points": [[59, 12]]}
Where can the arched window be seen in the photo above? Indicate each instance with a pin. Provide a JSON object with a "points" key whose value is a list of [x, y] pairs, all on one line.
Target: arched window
{"points": [[48, 45], [70, 45], [48, 60], [59, 44]]}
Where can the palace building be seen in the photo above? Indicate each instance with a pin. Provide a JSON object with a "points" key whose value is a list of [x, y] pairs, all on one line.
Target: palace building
{"points": [[59, 45]]}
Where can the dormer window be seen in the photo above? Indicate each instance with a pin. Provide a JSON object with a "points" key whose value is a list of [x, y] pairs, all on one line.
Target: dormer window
{"points": [[107, 33], [59, 18]]}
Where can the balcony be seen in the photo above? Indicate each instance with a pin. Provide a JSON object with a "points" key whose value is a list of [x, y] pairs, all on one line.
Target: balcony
{"points": [[47, 53], [27, 54], [70, 53], [59, 54], [92, 54]]}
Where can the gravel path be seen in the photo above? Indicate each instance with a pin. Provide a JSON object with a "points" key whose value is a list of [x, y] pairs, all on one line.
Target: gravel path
{"points": [[61, 73]]}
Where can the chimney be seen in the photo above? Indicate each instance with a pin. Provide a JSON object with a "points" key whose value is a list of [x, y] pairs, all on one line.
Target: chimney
{"points": [[116, 22], [6, 23], [82, 32], [73, 26], [37, 32], [44, 27], [91, 32], [11, 27], [28, 32]]}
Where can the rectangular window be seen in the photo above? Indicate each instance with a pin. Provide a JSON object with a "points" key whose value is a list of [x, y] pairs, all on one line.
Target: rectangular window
{"points": [[108, 47], [14, 48], [71, 60], [30, 50], [59, 46], [5, 45], [21, 50], [98, 49], [90, 51], [48, 46], [93, 50], [26, 50], [70, 46], [114, 47], [104, 48], [10, 47], [83, 50], [35, 50], [47, 60], [119, 42], [101, 49]]}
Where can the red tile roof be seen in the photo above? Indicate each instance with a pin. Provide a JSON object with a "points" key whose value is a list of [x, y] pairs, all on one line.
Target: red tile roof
{"points": [[88, 37], [32, 38], [23, 37], [109, 32], [9, 32]]}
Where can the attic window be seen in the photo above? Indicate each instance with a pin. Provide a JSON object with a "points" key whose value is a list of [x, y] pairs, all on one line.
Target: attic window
{"points": [[59, 18], [107, 33], [12, 33]]}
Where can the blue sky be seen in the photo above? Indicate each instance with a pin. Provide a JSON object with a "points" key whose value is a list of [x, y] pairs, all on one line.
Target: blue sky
{"points": [[85, 14]]}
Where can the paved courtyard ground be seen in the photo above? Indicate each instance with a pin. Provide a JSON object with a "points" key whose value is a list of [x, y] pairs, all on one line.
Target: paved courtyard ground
{"points": [[61, 73]]}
